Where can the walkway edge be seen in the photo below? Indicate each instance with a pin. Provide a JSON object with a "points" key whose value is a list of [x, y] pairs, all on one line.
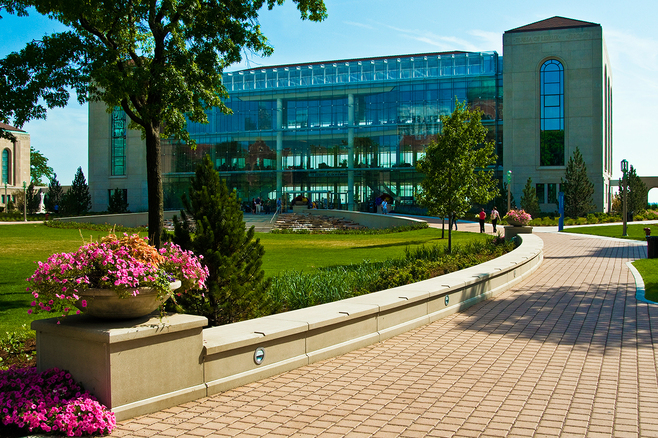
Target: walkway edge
{"points": [[328, 330], [639, 284], [193, 362]]}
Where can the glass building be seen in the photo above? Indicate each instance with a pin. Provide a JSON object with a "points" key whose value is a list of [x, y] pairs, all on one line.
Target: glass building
{"points": [[345, 132], [342, 132]]}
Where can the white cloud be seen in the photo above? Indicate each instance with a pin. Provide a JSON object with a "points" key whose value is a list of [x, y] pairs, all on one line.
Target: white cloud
{"points": [[365, 26], [624, 49], [491, 40], [443, 43]]}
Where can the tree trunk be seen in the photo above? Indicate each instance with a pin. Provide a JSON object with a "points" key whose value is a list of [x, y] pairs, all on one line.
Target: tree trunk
{"points": [[154, 184], [450, 234]]}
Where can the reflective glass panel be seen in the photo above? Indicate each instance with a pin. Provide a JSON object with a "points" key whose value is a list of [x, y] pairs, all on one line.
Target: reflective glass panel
{"points": [[552, 114]]}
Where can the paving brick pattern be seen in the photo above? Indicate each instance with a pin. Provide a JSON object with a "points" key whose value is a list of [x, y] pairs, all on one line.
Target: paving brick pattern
{"points": [[568, 352]]}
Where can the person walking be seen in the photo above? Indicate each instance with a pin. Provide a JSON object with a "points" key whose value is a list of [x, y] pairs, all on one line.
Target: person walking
{"points": [[482, 217], [494, 218], [454, 220], [384, 206], [278, 206]]}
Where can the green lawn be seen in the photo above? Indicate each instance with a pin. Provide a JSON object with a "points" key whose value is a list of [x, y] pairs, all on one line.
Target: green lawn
{"points": [[648, 269], [635, 231], [23, 245], [303, 251], [20, 247]]}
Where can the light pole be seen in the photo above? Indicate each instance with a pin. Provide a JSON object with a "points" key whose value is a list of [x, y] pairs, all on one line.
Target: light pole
{"points": [[24, 202], [509, 192], [624, 188]]}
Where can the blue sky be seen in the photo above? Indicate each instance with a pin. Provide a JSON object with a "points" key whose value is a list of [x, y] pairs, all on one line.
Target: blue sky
{"points": [[366, 28]]}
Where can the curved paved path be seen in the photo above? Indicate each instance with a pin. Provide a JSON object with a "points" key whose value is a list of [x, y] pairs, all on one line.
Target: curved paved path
{"points": [[568, 352]]}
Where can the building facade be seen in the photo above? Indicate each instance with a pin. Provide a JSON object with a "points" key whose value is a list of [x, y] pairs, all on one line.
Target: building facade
{"points": [[341, 132], [558, 98], [15, 162]]}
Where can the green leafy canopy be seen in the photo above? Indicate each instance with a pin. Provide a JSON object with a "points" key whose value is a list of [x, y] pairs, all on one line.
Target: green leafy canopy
{"points": [[161, 61], [39, 167], [455, 165]]}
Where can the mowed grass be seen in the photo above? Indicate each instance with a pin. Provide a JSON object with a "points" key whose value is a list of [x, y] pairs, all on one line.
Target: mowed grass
{"points": [[21, 246], [648, 269], [303, 252], [635, 231]]}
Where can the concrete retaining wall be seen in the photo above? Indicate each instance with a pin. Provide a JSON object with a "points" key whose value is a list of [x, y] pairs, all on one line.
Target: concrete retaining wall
{"points": [[125, 219], [147, 365], [304, 336], [370, 220]]}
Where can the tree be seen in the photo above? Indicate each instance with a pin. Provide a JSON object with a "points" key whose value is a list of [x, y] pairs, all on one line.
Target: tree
{"points": [[78, 200], [39, 167], [32, 199], [160, 61], [500, 201], [529, 200], [637, 193], [455, 166], [118, 202], [578, 189], [237, 288], [54, 196], [34, 79]]}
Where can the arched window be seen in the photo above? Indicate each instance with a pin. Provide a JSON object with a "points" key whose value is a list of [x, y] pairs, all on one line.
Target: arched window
{"points": [[118, 142], [6, 169], [552, 114]]}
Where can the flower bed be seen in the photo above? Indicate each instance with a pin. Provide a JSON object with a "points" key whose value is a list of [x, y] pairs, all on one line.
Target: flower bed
{"points": [[50, 402], [517, 217]]}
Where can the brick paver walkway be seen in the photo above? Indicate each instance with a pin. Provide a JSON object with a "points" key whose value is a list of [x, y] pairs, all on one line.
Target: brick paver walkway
{"points": [[568, 352]]}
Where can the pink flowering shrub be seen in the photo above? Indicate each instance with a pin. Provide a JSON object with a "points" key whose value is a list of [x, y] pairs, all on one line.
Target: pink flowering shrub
{"points": [[120, 264], [49, 402], [519, 216]]}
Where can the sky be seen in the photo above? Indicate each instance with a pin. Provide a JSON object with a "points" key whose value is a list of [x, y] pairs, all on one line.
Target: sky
{"points": [[370, 28]]}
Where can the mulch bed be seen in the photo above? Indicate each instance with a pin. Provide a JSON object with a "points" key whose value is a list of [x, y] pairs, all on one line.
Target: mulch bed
{"points": [[21, 360]]}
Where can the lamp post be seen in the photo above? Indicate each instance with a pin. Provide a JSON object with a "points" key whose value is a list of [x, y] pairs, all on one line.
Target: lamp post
{"points": [[24, 202], [509, 192], [624, 188]]}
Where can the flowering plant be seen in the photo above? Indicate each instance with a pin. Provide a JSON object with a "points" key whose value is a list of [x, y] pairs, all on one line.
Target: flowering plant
{"points": [[519, 216], [50, 401], [119, 264]]}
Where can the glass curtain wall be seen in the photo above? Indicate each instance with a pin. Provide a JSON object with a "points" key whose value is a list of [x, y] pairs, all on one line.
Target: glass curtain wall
{"points": [[342, 133]]}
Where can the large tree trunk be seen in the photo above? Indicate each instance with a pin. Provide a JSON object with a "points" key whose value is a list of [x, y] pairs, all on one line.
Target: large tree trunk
{"points": [[154, 184]]}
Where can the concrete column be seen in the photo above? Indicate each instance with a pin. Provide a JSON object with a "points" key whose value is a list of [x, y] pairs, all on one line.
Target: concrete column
{"points": [[133, 367], [350, 152], [279, 147]]}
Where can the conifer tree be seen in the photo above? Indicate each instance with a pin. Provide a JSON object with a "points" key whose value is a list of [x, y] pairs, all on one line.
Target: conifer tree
{"points": [[500, 201], [118, 203], [237, 288], [637, 193], [529, 200], [54, 196], [578, 189], [78, 199], [32, 199]]}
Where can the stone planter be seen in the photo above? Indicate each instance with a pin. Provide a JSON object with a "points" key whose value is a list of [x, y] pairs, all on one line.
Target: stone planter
{"points": [[513, 231], [515, 223], [106, 304], [301, 208]]}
